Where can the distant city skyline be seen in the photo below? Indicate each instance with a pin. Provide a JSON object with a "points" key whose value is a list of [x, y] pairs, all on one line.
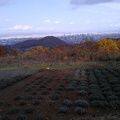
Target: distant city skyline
{"points": [[58, 16]]}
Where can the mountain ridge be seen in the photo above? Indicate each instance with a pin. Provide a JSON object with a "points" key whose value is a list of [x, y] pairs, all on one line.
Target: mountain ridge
{"points": [[48, 41]]}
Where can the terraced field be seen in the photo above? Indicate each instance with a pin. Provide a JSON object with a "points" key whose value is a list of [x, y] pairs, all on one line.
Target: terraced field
{"points": [[65, 94]]}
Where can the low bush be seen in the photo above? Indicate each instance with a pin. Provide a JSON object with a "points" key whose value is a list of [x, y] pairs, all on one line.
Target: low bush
{"points": [[29, 97], [41, 97], [81, 103], [22, 102], [14, 110], [42, 86], [67, 102], [95, 91], [45, 92], [55, 96], [29, 110], [17, 98], [99, 104], [36, 102], [96, 97], [94, 86], [107, 93], [112, 97], [5, 118], [40, 117], [22, 117], [106, 89], [115, 104], [83, 88], [70, 88], [52, 102], [64, 110], [82, 93], [79, 110]]}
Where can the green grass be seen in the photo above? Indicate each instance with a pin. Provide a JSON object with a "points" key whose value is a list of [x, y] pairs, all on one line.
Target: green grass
{"points": [[12, 66]]}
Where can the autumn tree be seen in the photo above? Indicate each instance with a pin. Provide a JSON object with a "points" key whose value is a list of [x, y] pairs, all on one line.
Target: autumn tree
{"points": [[107, 47]]}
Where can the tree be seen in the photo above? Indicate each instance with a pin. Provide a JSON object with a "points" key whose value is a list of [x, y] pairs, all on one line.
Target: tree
{"points": [[108, 46], [107, 49]]}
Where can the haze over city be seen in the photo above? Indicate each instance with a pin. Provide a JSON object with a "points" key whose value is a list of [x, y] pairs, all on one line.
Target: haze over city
{"points": [[51, 16]]}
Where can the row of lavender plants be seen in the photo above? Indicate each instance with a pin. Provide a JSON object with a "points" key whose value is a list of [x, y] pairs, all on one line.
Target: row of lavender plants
{"points": [[104, 88]]}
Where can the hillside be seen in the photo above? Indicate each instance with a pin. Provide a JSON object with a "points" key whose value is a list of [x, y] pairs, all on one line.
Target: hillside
{"points": [[6, 50], [48, 41]]}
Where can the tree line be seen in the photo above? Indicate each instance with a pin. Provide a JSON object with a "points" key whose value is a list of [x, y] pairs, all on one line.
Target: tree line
{"points": [[105, 49]]}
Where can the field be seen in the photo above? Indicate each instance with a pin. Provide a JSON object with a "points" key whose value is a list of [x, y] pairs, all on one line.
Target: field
{"points": [[60, 94]]}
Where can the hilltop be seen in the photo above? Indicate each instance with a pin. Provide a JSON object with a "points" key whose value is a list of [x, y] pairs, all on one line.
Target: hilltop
{"points": [[48, 41]]}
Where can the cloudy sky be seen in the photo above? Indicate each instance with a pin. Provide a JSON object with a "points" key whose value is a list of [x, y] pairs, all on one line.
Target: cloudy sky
{"points": [[51, 16]]}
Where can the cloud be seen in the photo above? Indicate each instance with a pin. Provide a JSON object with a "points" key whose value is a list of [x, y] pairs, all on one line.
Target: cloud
{"points": [[8, 20], [57, 22], [117, 25], [45, 28], [20, 27], [76, 3], [87, 22], [47, 21], [72, 23]]}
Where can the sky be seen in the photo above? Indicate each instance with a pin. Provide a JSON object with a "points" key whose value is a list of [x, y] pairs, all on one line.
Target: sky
{"points": [[59, 16]]}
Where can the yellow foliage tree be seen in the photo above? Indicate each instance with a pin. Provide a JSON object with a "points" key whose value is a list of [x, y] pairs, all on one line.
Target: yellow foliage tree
{"points": [[118, 44], [108, 46]]}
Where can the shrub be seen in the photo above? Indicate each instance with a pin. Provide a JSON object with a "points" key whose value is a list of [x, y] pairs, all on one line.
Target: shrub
{"points": [[83, 88], [64, 110], [112, 97], [81, 103], [28, 90], [22, 117], [36, 102], [95, 91], [45, 92], [40, 117], [55, 96], [17, 98], [107, 93], [96, 97], [118, 94], [115, 104], [60, 88], [41, 97], [67, 102], [22, 102], [99, 104], [117, 89], [29, 110], [94, 86], [70, 88], [29, 97], [5, 118], [34, 93], [113, 82], [14, 110], [39, 89], [79, 110], [82, 92], [52, 102], [49, 89], [106, 89], [42, 86]]}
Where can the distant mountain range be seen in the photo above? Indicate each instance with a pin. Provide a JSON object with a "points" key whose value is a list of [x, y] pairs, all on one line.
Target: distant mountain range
{"points": [[74, 38], [48, 41]]}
